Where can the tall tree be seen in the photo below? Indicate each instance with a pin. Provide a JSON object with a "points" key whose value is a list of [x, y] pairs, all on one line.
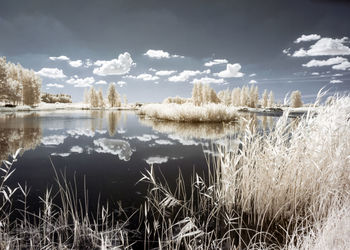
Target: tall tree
{"points": [[295, 99]]}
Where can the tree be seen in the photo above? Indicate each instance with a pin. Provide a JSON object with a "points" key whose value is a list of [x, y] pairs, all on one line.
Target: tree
{"points": [[271, 101], [113, 96], [3, 79], [295, 99], [195, 94], [86, 96], [264, 101], [101, 102], [125, 100], [93, 98]]}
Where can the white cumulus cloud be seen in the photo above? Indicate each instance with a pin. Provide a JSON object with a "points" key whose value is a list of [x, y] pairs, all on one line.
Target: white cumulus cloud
{"points": [[307, 38], [147, 77], [119, 66], [121, 83], [186, 74], [165, 72], [215, 62], [159, 54], [343, 66], [208, 80], [315, 73], [328, 62], [54, 73], [81, 82], [55, 85], [252, 82], [101, 82], [232, 70], [325, 47], [59, 58], [76, 63]]}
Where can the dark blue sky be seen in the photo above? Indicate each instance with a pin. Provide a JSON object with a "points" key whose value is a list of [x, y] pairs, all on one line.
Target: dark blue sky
{"points": [[249, 37]]}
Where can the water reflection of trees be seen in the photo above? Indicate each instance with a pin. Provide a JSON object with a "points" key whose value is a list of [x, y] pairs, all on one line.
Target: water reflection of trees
{"points": [[19, 131], [210, 130], [113, 120]]}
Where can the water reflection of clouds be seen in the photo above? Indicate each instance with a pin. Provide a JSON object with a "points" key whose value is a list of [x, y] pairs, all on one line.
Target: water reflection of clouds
{"points": [[120, 148], [76, 133], [77, 149], [157, 160], [53, 140], [143, 138], [61, 154]]}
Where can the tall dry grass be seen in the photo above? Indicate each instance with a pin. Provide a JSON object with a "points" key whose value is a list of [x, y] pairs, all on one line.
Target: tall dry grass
{"points": [[188, 112]]}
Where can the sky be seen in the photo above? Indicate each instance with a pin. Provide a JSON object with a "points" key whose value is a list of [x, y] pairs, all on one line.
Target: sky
{"points": [[155, 49]]}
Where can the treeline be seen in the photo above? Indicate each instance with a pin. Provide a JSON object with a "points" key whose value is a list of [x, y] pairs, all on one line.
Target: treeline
{"points": [[96, 99], [18, 85], [239, 97], [53, 98]]}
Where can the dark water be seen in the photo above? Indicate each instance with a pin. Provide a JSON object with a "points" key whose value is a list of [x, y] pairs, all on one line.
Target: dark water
{"points": [[109, 149]]}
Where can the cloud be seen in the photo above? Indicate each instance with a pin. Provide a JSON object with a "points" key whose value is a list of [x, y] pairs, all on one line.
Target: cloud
{"points": [[88, 63], [121, 83], [335, 81], [215, 62], [101, 82], [183, 141], [61, 154], [76, 63], [338, 75], [55, 85], [165, 72], [307, 38], [315, 73], [119, 66], [81, 82], [186, 74], [159, 54], [208, 80], [328, 62], [343, 66], [144, 138], [54, 73], [77, 149], [152, 69], [287, 52], [325, 47], [147, 77], [157, 160], [76, 133], [252, 82], [53, 140], [252, 75], [232, 70], [115, 147], [59, 58]]}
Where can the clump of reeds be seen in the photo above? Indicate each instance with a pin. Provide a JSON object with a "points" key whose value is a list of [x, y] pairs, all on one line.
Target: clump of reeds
{"points": [[62, 222], [189, 112]]}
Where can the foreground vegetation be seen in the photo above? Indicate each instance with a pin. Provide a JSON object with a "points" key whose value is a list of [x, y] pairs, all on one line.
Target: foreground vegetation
{"points": [[285, 189]]}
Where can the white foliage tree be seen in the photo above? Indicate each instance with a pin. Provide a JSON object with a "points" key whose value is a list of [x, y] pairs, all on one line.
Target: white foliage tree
{"points": [[295, 99]]}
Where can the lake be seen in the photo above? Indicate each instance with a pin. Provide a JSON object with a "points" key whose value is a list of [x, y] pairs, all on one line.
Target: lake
{"points": [[109, 149]]}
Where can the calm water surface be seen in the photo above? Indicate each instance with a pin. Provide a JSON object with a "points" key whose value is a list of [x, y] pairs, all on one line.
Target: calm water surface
{"points": [[110, 149]]}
